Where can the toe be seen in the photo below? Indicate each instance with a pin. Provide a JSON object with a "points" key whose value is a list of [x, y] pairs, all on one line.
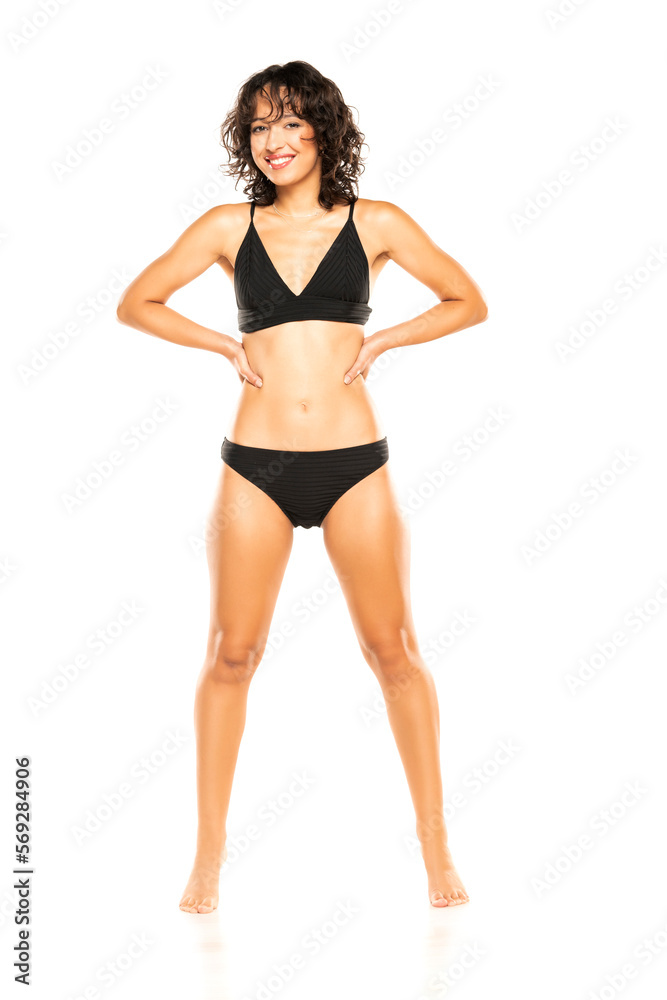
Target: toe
{"points": [[437, 898]]}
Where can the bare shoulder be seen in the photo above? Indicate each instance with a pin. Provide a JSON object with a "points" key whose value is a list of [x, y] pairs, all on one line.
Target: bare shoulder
{"points": [[223, 215], [379, 212], [220, 228], [391, 225], [230, 211]]}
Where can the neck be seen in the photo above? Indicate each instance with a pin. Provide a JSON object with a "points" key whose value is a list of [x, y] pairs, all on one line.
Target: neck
{"points": [[300, 198]]}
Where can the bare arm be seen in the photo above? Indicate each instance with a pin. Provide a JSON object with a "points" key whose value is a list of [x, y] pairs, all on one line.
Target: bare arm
{"points": [[461, 303], [143, 303]]}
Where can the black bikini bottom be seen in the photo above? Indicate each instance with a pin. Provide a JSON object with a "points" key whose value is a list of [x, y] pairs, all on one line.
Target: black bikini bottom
{"points": [[305, 484]]}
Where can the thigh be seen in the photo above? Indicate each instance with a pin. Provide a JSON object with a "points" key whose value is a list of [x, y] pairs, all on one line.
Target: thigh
{"points": [[248, 544], [368, 543]]}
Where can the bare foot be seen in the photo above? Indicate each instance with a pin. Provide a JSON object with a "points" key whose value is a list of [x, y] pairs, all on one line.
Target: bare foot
{"points": [[445, 888], [201, 892]]}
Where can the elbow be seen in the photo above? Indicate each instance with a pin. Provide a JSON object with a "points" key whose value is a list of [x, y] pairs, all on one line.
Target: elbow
{"points": [[123, 312], [479, 311], [130, 308], [472, 310], [126, 310]]}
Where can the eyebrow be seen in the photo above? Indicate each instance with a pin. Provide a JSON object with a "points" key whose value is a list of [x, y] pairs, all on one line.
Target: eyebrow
{"points": [[282, 116]]}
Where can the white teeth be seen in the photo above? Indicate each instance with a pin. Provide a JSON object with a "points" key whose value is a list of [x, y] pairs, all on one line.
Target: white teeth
{"points": [[279, 160]]}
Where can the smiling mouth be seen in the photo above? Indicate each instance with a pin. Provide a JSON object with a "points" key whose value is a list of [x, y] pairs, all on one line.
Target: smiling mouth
{"points": [[276, 162]]}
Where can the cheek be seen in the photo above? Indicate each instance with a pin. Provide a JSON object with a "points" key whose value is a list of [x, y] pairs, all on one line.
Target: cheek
{"points": [[307, 144]]}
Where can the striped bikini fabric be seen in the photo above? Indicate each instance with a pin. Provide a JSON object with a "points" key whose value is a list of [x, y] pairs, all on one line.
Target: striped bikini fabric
{"points": [[305, 484], [338, 290]]}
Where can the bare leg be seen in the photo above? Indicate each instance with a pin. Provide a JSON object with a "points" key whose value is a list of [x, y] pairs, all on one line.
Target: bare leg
{"points": [[248, 548], [369, 547]]}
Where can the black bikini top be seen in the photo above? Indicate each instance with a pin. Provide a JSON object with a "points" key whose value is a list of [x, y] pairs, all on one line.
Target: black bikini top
{"points": [[338, 291]]}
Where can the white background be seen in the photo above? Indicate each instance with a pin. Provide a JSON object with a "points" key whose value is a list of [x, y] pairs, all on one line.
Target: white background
{"points": [[538, 924]]}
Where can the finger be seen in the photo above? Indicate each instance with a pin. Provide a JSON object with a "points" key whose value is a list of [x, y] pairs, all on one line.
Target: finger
{"points": [[351, 375], [253, 379]]}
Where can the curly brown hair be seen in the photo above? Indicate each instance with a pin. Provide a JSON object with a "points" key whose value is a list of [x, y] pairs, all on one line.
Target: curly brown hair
{"points": [[315, 99]]}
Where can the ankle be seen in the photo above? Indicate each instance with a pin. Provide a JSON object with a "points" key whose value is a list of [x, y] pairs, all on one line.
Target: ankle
{"points": [[435, 846], [207, 856], [208, 863]]}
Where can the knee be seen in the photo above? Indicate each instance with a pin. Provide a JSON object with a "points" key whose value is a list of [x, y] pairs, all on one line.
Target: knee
{"points": [[393, 656], [232, 659]]}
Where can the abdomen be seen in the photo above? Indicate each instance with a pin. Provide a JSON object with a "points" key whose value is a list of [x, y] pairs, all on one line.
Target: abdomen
{"points": [[303, 404]]}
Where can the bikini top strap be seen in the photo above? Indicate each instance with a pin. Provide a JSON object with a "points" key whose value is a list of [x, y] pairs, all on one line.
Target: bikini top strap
{"points": [[351, 209], [252, 209]]}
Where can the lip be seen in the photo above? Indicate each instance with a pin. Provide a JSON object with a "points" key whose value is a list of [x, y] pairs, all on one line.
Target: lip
{"points": [[271, 160]]}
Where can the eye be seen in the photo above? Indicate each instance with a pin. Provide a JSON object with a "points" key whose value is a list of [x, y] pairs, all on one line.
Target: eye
{"points": [[259, 128]]}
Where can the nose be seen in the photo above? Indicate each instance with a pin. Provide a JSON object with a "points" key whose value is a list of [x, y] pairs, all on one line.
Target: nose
{"points": [[275, 139]]}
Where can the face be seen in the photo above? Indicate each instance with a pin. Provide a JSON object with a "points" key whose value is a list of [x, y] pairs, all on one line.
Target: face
{"points": [[281, 148]]}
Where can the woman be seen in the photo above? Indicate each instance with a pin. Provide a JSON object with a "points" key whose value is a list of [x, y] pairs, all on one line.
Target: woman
{"points": [[306, 447]]}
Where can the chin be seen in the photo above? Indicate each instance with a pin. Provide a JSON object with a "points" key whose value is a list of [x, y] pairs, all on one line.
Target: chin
{"points": [[279, 180], [278, 176]]}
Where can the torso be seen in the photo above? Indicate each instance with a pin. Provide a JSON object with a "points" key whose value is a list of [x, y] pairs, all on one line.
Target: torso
{"points": [[303, 403]]}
